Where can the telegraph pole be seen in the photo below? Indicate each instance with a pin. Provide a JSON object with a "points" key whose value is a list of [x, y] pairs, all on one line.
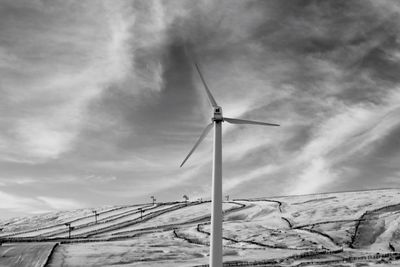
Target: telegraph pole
{"points": [[70, 228], [95, 216], [141, 213]]}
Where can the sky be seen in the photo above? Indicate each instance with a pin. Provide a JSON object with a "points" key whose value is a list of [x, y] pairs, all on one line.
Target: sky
{"points": [[100, 102]]}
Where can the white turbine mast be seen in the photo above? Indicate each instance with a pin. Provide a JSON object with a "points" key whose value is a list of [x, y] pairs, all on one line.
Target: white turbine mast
{"points": [[216, 198]]}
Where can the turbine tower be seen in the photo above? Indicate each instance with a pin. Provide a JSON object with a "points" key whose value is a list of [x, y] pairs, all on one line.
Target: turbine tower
{"points": [[216, 211]]}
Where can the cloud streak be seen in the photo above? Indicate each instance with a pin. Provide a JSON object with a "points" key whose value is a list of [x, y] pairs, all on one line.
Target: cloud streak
{"points": [[60, 69]]}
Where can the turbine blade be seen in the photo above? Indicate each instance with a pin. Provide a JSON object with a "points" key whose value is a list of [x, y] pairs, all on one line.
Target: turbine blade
{"points": [[210, 96], [240, 121], [202, 136]]}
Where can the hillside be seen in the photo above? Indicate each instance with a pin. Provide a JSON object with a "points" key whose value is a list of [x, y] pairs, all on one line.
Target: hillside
{"points": [[333, 229]]}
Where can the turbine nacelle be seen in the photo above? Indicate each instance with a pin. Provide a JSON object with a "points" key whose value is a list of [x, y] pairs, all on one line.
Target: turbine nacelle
{"points": [[217, 114]]}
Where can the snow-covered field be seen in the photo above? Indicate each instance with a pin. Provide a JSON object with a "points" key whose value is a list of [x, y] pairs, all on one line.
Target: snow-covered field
{"points": [[34, 255], [334, 229]]}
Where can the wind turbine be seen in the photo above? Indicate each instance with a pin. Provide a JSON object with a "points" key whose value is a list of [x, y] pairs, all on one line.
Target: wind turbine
{"points": [[186, 199], [216, 212]]}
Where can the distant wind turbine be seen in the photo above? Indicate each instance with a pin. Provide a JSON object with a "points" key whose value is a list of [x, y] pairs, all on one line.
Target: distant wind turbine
{"points": [[153, 199], [186, 199], [216, 212]]}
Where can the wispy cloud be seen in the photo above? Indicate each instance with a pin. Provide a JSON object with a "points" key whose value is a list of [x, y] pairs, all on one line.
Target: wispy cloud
{"points": [[61, 72]]}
